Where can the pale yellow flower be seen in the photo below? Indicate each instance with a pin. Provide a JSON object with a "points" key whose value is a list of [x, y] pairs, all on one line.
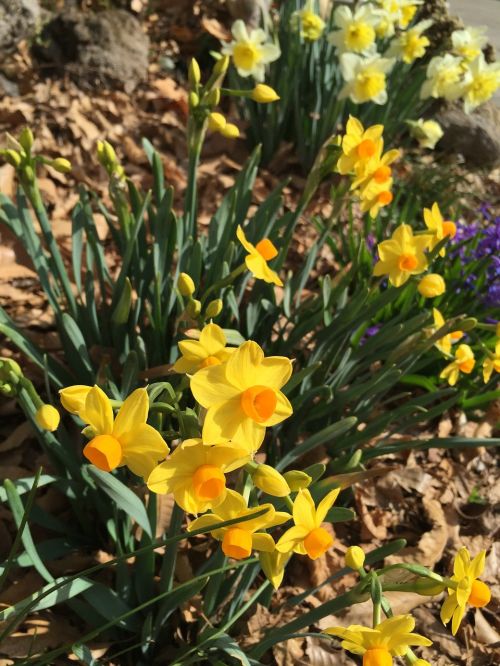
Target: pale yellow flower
{"points": [[444, 78], [355, 30], [480, 83], [251, 50], [365, 77]]}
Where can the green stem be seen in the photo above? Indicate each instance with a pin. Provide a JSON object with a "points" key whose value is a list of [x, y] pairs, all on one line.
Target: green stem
{"points": [[195, 143], [220, 284], [376, 614]]}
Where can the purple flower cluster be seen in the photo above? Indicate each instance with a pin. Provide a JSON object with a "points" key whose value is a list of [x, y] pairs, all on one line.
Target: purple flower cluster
{"points": [[486, 233]]}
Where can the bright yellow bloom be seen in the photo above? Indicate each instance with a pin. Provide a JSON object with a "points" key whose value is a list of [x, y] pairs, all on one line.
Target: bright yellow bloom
{"points": [[243, 396], [480, 83], [359, 145], [375, 170], [431, 285], [308, 537], [464, 362], [209, 350], [311, 25], [356, 32], [355, 557], [375, 196], [411, 45], [258, 256], [365, 77], [273, 565], [491, 364], [402, 256], [391, 638], [124, 440], [426, 132], [444, 343], [195, 474], [467, 588], [444, 78], [240, 539], [47, 418], [469, 43], [264, 94], [440, 228], [251, 51]]}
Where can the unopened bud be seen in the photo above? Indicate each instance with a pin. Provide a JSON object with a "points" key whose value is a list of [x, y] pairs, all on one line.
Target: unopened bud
{"points": [[10, 372], [213, 97], [193, 308], [12, 157], [185, 284], [264, 94], [216, 122], [47, 418], [431, 285], [230, 131], [109, 153], [269, 480], [428, 587], [214, 308], [26, 139], [297, 480], [62, 165], [194, 74], [29, 174], [355, 558], [221, 65], [194, 100]]}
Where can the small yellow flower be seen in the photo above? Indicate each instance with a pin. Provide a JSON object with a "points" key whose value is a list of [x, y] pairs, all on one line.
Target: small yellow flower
{"points": [[411, 45], [195, 474], [47, 418], [439, 227], [273, 565], [491, 363], [355, 31], [311, 25], [391, 638], [251, 51], [359, 145], [355, 557], [258, 256], [264, 94], [365, 77], [464, 362], [243, 396], [467, 589], [444, 343], [431, 285], [308, 537], [480, 83], [240, 539], [375, 196], [209, 350], [375, 170], [426, 132], [124, 440], [402, 256], [185, 284]]}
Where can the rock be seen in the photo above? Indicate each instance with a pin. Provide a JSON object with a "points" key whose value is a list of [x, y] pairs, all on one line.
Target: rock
{"points": [[103, 49], [475, 136], [18, 21]]}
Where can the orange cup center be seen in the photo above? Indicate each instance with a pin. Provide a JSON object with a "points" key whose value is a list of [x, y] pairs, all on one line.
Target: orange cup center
{"points": [[467, 366], [317, 542], [377, 657], [382, 174], [407, 262], [480, 594], [210, 360], [259, 403], [366, 148], [237, 543], [266, 249], [385, 198], [449, 228], [208, 482], [104, 451]]}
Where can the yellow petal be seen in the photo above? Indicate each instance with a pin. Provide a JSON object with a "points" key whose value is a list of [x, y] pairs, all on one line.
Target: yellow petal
{"points": [[262, 542], [291, 538], [461, 563], [477, 565], [243, 240], [161, 477], [325, 505], [98, 412], [242, 369], [304, 511], [132, 413], [213, 339], [210, 386], [275, 371], [143, 447], [73, 398]]}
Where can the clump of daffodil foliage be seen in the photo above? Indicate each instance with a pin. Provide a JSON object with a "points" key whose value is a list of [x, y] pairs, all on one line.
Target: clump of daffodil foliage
{"points": [[214, 373]]}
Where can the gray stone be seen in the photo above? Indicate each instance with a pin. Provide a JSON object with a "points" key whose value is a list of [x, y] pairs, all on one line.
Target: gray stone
{"points": [[475, 136], [103, 49], [18, 21]]}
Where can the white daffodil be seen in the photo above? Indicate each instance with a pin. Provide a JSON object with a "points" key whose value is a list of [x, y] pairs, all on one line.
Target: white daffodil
{"points": [[365, 77], [426, 132], [411, 45], [469, 43], [444, 78], [480, 83], [251, 50], [356, 30]]}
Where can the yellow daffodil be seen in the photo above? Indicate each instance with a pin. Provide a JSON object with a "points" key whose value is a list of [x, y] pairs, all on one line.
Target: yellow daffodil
{"points": [[311, 25], [426, 132], [47, 418], [464, 362], [250, 50], [355, 30], [375, 196], [376, 169], [444, 78], [209, 350], [308, 537], [195, 474], [439, 227], [388, 15], [359, 145], [469, 42], [411, 45], [444, 343], [408, 11], [391, 638], [258, 256], [124, 440], [466, 590], [243, 396], [240, 539], [491, 363], [431, 285], [480, 83], [273, 565], [365, 77], [401, 256]]}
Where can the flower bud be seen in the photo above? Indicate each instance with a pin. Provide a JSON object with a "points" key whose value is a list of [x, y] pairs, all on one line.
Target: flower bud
{"points": [[26, 139], [47, 418], [355, 558], [230, 131], [431, 285], [269, 480], [61, 164], [264, 94], [194, 100], [428, 587], [214, 308], [185, 284], [193, 308], [194, 74], [12, 157], [8, 382], [216, 122], [29, 174], [221, 65], [297, 480], [213, 97]]}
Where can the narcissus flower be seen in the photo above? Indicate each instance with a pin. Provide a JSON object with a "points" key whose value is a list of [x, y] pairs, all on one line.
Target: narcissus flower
{"points": [[426, 132], [375, 195], [273, 565], [209, 350], [365, 77], [431, 285], [124, 440], [411, 45], [258, 256], [311, 25], [250, 50], [243, 396], [391, 638], [356, 31], [444, 78], [480, 83], [359, 145], [401, 256], [47, 418], [491, 363], [469, 42], [444, 343], [240, 539], [195, 474], [308, 537], [464, 362], [466, 590], [375, 170]]}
